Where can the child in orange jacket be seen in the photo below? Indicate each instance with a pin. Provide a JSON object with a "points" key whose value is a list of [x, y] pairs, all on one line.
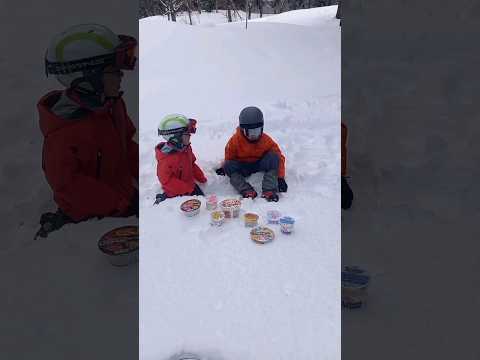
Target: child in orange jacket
{"points": [[250, 150]]}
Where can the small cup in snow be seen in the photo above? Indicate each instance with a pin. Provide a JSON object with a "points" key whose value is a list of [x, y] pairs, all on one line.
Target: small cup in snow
{"points": [[286, 224], [231, 208], [120, 245], [217, 218], [212, 202], [273, 216], [191, 207]]}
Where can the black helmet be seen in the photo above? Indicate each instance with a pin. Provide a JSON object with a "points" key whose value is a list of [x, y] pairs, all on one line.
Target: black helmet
{"points": [[251, 123]]}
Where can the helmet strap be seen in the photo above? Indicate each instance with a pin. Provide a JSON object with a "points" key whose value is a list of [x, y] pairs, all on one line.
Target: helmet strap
{"points": [[176, 142]]}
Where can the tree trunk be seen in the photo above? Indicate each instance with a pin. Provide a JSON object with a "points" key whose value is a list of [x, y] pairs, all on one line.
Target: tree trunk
{"points": [[229, 15], [260, 7], [249, 11]]}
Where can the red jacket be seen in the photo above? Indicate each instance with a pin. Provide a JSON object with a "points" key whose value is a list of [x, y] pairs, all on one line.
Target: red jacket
{"points": [[90, 162], [240, 149], [177, 171]]}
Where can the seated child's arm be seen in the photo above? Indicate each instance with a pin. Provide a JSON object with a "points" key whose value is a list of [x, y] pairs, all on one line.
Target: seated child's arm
{"points": [[197, 172], [275, 148]]}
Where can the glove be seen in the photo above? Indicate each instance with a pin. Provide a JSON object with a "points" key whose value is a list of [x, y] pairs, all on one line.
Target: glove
{"points": [[203, 180], [220, 171], [197, 191], [159, 198], [282, 185]]}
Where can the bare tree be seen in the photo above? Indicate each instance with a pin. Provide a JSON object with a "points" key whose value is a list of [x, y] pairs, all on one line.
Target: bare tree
{"points": [[172, 7], [259, 4]]}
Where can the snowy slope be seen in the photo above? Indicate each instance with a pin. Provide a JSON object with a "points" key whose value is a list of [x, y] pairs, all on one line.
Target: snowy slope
{"points": [[212, 290]]}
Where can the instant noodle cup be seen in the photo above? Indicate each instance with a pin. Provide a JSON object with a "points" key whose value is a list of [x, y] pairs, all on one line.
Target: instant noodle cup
{"points": [[273, 216], [251, 219], [212, 202], [354, 287], [120, 245], [191, 207], [262, 235], [286, 224], [217, 218], [231, 208]]}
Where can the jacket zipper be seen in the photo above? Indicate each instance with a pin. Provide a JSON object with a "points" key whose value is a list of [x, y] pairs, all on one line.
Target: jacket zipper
{"points": [[99, 163]]}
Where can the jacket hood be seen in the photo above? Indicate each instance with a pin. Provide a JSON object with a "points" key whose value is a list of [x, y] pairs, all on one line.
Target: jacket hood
{"points": [[59, 109], [49, 120], [163, 149]]}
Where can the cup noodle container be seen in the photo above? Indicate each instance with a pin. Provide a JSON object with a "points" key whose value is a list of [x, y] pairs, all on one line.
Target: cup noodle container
{"points": [[191, 207], [120, 245], [217, 218], [212, 202], [273, 216], [286, 224], [231, 208], [251, 220], [355, 283]]}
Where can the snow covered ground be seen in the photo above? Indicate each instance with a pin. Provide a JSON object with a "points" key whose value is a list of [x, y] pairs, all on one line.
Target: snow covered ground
{"points": [[212, 290]]}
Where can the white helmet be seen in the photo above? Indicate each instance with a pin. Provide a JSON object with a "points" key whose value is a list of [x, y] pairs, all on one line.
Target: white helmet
{"points": [[78, 55], [173, 126]]}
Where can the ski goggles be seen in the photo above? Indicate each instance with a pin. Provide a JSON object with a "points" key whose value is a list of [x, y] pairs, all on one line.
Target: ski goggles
{"points": [[191, 128], [252, 131], [124, 57]]}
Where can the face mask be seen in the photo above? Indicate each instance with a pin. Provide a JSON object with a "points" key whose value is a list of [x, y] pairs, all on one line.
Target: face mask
{"points": [[253, 134]]}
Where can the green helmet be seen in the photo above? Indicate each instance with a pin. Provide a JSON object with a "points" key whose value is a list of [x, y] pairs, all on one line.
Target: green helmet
{"points": [[78, 55], [173, 126]]}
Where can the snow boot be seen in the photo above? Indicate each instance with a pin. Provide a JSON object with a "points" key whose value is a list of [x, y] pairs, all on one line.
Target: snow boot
{"points": [[239, 183], [270, 196], [250, 193]]}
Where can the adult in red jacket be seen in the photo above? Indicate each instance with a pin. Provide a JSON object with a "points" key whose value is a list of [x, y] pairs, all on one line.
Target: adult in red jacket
{"points": [[177, 170], [89, 160], [89, 157]]}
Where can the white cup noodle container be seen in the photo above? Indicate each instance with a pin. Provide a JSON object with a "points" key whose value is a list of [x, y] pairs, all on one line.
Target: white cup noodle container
{"points": [[217, 218], [273, 216], [286, 224], [120, 245], [231, 208], [212, 202], [191, 207]]}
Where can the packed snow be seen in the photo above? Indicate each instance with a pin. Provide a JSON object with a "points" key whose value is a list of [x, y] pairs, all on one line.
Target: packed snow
{"points": [[212, 290]]}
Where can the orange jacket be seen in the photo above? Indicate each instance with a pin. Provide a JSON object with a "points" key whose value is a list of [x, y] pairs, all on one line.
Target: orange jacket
{"points": [[240, 149], [344, 149]]}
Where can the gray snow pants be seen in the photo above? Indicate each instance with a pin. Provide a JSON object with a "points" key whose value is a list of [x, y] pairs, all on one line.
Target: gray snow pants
{"points": [[237, 171]]}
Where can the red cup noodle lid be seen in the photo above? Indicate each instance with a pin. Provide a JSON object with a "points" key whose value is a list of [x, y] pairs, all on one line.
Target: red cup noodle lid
{"points": [[122, 240]]}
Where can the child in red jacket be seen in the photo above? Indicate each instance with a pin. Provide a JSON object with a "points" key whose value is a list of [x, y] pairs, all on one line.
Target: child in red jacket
{"points": [[176, 167]]}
